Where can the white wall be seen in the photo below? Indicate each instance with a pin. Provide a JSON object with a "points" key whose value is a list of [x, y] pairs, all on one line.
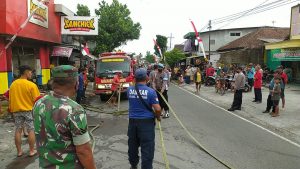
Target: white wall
{"points": [[222, 37], [214, 59]]}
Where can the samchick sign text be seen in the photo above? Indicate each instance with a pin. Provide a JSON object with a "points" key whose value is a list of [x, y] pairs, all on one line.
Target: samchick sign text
{"points": [[78, 25], [40, 16]]}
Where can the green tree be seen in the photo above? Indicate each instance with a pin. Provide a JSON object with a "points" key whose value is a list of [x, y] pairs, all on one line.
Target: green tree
{"points": [[162, 43], [116, 27], [174, 56], [149, 57], [83, 10]]}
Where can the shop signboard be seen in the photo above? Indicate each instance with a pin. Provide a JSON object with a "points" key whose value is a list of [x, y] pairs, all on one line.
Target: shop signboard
{"points": [[79, 25], [62, 51], [40, 17], [291, 54]]}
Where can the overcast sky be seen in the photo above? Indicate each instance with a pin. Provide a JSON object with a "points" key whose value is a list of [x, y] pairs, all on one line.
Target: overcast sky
{"points": [[172, 16]]}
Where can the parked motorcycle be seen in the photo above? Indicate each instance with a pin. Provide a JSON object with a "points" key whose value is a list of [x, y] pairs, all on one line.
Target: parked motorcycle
{"points": [[210, 81], [230, 84]]}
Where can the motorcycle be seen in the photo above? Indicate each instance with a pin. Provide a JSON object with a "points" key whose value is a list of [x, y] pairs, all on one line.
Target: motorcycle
{"points": [[210, 81], [230, 84]]}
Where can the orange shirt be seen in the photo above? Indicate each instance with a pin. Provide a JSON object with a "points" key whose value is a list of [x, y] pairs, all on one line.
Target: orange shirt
{"points": [[115, 83]]}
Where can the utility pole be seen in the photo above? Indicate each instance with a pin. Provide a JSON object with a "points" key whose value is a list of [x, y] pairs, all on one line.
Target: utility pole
{"points": [[209, 29], [171, 37]]}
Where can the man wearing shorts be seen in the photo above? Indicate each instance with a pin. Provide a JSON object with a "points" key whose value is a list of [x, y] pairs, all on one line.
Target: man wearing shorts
{"points": [[22, 95]]}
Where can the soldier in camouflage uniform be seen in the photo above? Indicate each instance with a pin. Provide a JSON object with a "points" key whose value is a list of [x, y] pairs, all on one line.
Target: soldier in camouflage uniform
{"points": [[61, 125]]}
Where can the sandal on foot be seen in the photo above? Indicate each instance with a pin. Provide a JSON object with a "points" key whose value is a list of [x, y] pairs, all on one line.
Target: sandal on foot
{"points": [[32, 155]]}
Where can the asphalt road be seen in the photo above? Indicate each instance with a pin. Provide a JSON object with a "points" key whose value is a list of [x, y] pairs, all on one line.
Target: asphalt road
{"points": [[111, 144], [239, 143]]}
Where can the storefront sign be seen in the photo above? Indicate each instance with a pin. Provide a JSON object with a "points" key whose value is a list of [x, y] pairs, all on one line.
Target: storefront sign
{"points": [[62, 51], [292, 54], [79, 25], [40, 17]]}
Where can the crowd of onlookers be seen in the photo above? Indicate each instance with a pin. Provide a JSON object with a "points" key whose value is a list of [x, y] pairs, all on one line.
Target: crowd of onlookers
{"points": [[250, 76]]}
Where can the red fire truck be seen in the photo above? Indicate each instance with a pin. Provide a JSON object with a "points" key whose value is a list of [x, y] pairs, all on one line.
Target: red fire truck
{"points": [[107, 66]]}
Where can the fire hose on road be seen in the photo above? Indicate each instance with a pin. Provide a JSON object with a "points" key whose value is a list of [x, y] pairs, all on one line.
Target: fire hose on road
{"points": [[164, 152], [192, 137]]}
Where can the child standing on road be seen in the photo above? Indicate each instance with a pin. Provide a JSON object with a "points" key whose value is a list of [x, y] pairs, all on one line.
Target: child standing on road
{"points": [[276, 94]]}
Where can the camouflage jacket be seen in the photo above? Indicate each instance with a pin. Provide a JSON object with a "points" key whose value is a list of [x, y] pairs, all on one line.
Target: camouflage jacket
{"points": [[60, 124]]}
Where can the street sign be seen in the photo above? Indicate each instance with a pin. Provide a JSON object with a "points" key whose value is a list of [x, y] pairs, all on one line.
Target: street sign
{"points": [[79, 25]]}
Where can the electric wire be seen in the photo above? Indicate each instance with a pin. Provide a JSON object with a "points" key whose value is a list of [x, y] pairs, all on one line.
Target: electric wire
{"points": [[243, 14], [259, 9]]}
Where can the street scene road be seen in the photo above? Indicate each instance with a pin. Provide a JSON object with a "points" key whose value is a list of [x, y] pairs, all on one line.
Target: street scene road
{"points": [[237, 142], [149, 84]]}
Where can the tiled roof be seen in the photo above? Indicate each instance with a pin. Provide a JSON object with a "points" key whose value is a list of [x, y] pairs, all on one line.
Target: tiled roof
{"points": [[256, 39]]}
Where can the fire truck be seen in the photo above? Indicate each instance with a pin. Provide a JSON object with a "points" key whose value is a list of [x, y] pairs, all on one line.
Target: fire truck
{"points": [[107, 66]]}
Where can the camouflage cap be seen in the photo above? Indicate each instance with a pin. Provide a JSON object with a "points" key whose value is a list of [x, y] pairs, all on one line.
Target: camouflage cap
{"points": [[64, 71]]}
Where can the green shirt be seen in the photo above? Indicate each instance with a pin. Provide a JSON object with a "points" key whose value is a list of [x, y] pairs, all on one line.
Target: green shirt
{"points": [[60, 124]]}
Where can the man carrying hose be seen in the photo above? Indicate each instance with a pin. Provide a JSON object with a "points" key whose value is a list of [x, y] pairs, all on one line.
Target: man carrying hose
{"points": [[61, 125], [141, 128], [115, 87]]}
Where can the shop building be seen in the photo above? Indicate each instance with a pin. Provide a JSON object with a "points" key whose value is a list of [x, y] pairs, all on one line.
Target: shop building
{"points": [[33, 44], [287, 53]]}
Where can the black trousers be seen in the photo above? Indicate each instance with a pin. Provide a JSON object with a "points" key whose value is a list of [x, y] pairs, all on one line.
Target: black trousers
{"points": [[141, 133], [270, 104], [162, 103], [237, 100], [258, 95], [251, 82], [79, 96]]}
